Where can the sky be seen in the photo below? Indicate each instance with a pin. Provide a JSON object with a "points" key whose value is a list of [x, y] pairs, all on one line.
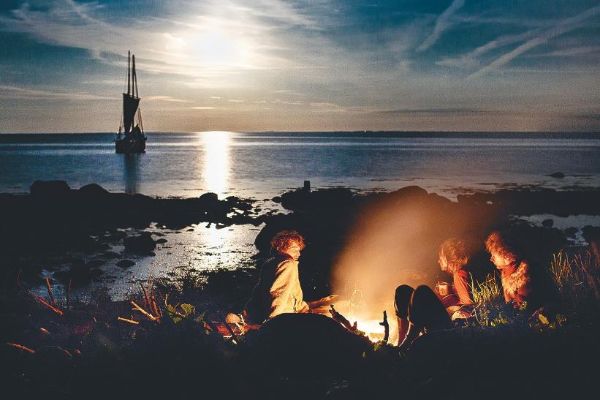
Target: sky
{"points": [[314, 65]]}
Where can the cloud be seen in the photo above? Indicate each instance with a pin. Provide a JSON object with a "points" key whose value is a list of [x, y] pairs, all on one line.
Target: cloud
{"points": [[165, 98], [570, 52], [566, 25], [472, 59], [434, 111], [442, 23], [212, 40], [15, 92]]}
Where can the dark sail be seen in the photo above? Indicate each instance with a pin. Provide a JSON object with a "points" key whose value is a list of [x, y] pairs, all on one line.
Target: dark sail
{"points": [[130, 106]]}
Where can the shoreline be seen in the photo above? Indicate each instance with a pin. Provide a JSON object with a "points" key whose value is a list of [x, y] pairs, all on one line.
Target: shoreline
{"points": [[54, 222]]}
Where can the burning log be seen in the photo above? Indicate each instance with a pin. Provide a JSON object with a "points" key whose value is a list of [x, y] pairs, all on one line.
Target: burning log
{"points": [[386, 327], [342, 320]]}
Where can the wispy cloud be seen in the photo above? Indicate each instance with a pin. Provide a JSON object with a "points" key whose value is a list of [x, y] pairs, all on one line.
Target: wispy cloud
{"points": [[473, 58], [442, 23], [15, 92], [566, 25], [166, 98]]}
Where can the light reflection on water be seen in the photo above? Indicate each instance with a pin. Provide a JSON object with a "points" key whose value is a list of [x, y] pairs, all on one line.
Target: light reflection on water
{"points": [[131, 172], [216, 160], [215, 174]]}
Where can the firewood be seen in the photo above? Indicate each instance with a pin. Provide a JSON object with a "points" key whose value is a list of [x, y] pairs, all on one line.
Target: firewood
{"points": [[386, 327], [49, 289], [21, 347], [47, 305], [146, 313], [129, 321], [341, 319], [146, 299]]}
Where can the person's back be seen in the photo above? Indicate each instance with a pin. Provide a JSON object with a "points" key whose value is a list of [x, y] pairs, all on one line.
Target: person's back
{"points": [[257, 307]]}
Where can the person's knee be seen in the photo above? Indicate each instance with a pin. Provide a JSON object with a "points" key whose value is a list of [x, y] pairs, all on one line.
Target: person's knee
{"points": [[424, 292], [402, 299]]}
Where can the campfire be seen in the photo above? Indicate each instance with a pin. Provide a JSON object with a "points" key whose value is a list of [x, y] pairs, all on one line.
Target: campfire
{"points": [[354, 316]]}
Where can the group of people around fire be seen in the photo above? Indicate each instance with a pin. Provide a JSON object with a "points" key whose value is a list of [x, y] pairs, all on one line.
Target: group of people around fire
{"points": [[418, 310]]}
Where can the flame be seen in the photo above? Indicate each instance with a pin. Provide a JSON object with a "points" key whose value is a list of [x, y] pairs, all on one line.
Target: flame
{"points": [[371, 327]]}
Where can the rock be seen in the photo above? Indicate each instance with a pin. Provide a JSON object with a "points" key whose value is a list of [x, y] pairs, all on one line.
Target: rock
{"points": [[548, 223], [125, 264], [142, 244], [93, 190], [209, 197], [49, 188], [162, 240], [571, 232], [557, 175], [308, 344]]}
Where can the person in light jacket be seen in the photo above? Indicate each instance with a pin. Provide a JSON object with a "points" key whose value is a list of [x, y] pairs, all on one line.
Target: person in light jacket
{"points": [[278, 290]]}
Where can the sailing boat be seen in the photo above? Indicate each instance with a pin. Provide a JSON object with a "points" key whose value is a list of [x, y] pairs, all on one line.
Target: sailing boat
{"points": [[131, 138]]}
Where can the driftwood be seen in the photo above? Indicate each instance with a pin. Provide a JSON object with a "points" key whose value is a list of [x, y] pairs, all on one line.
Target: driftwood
{"points": [[47, 305], [49, 289], [21, 347], [136, 307], [129, 321]]}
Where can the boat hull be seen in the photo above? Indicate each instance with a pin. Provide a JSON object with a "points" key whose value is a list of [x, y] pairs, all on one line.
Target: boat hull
{"points": [[129, 146]]}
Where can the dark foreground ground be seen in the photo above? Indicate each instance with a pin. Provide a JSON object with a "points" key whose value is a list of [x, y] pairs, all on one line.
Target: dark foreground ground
{"points": [[56, 347]]}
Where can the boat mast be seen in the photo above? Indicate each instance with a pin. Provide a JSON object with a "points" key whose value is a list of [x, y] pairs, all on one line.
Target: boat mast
{"points": [[128, 75], [135, 92]]}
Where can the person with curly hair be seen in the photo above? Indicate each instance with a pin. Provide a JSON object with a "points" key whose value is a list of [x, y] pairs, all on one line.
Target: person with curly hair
{"points": [[515, 270], [419, 310], [278, 290], [454, 256]]}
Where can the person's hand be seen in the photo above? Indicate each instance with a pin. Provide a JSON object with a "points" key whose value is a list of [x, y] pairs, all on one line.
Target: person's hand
{"points": [[461, 314]]}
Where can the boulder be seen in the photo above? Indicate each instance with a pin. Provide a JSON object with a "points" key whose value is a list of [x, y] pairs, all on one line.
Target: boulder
{"points": [[307, 345], [93, 190], [142, 244], [49, 188]]}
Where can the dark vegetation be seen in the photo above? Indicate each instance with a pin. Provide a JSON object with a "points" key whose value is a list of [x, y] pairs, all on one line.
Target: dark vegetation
{"points": [[53, 346]]}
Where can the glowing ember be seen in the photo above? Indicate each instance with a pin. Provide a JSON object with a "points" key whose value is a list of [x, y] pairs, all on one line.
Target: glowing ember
{"points": [[371, 328]]}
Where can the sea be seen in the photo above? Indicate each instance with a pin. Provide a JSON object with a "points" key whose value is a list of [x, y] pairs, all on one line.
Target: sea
{"points": [[263, 165]]}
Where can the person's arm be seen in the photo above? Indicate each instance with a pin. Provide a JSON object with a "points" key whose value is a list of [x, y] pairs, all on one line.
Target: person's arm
{"points": [[462, 287], [286, 294], [522, 279]]}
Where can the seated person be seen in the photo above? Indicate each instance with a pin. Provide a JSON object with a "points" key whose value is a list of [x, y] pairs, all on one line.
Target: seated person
{"points": [[518, 283], [418, 311], [278, 290], [453, 259]]}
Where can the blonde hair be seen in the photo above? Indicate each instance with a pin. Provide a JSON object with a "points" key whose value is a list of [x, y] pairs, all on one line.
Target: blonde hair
{"points": [[455, 252], [282, 240]]}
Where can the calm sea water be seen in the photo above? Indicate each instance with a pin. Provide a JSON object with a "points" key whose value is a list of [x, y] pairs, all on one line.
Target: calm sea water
{"points": [[261, 165]]}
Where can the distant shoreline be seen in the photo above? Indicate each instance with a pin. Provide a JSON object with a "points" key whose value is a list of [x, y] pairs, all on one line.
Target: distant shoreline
{"points": [[370, 133]]}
